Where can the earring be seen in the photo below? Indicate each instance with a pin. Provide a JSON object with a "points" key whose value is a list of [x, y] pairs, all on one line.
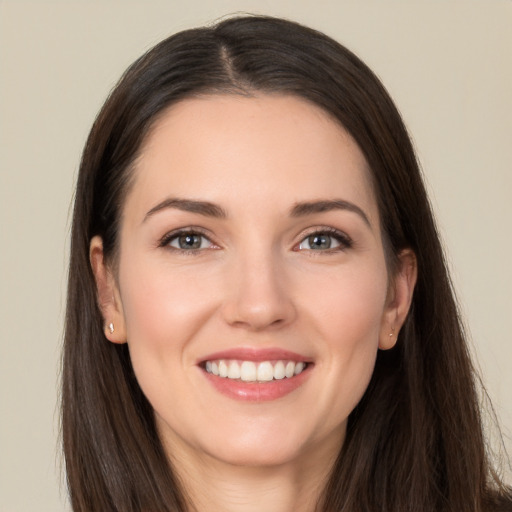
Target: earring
{"points": [[111, 328], [391, 334]]}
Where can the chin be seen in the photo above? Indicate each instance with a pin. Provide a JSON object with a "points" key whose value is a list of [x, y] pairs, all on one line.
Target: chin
{"points": [[272, 443], [256, 455]]}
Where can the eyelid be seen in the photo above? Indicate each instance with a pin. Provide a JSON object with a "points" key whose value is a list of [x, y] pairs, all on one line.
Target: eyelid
{"points": [[165, 240], [345, 241]]}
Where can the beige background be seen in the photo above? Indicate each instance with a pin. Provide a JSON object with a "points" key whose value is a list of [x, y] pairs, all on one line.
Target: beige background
{"points": [[448, 64]]}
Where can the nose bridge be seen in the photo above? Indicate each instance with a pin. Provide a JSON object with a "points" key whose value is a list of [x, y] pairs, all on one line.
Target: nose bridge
{"points": [[259, 296]]}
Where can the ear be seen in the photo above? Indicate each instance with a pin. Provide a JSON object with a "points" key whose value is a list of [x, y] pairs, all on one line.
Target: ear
{"points": [[399, 299], [109, 299]]}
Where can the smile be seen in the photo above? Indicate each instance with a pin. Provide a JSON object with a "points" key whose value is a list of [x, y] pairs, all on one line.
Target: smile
{"points": [[256, 374], [251, 371]]}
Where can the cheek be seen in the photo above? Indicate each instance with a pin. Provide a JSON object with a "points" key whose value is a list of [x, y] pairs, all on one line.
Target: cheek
{"points": [[349, 305], [346, 314], [159, 301], [163, 310]]}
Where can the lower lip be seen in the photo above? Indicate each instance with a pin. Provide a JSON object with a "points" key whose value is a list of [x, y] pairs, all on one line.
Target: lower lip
{"points": [[257, 391]]}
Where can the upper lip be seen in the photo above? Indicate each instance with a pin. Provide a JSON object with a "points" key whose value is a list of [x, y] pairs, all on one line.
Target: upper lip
{"points": [[256, 355]]}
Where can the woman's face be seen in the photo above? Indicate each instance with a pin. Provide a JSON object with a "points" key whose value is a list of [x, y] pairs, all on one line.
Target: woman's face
{"points": [[250, 246]]}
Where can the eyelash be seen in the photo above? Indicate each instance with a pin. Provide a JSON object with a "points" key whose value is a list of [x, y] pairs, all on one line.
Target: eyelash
{"points": [[166, 240], [344, 241]]}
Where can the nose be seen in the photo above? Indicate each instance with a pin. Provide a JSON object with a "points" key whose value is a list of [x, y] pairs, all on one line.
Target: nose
{"points": [[260, 295]]}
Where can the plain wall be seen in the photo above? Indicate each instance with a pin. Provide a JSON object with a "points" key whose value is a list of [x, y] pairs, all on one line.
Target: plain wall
{"points": [[447, 64]]}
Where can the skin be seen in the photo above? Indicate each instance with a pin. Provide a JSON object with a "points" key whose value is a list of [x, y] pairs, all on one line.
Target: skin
{"points": [[257, 282]]}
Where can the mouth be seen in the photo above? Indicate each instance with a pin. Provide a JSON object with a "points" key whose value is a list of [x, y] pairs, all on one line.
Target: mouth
{"points": [[253, 371], [256, 375]]}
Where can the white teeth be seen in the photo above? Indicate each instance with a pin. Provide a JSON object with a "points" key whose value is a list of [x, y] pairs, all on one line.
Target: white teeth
{"points": [[223, 369], [279, 372], [298, 368], [234, 370], [265, 371], [289, 371], [249, 371]]}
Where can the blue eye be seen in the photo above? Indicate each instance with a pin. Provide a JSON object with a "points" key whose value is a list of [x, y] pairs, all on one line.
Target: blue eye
{"points": [[188, 241], [324, 241]]}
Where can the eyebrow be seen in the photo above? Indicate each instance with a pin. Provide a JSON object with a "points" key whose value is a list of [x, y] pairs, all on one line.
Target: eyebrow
{"points": [[298, 210], [188, 205], [311, 207]]}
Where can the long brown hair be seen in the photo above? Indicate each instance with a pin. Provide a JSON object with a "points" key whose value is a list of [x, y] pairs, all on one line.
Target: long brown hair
{"points": [[415, 441]]}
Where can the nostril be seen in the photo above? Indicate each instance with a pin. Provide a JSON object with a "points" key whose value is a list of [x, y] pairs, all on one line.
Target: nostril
{"points": [[259, 322], [259, 297]]}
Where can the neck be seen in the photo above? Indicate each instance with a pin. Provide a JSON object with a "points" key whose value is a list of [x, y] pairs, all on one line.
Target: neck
{"points": [[213, 485], [272, 490]]}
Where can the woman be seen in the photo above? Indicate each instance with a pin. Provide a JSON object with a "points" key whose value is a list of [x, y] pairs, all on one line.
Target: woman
{"points": [[259, 313]]}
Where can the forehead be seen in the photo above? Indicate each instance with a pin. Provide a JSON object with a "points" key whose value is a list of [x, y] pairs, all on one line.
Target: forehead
{"points": [[263, 148]]}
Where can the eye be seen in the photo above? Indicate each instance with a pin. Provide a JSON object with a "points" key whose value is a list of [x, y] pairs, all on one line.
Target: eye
{"points": [[187, 241], [324, 241]]}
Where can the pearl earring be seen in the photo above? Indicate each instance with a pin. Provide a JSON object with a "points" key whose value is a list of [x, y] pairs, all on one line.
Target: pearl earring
{"points": [[111, 328]]}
